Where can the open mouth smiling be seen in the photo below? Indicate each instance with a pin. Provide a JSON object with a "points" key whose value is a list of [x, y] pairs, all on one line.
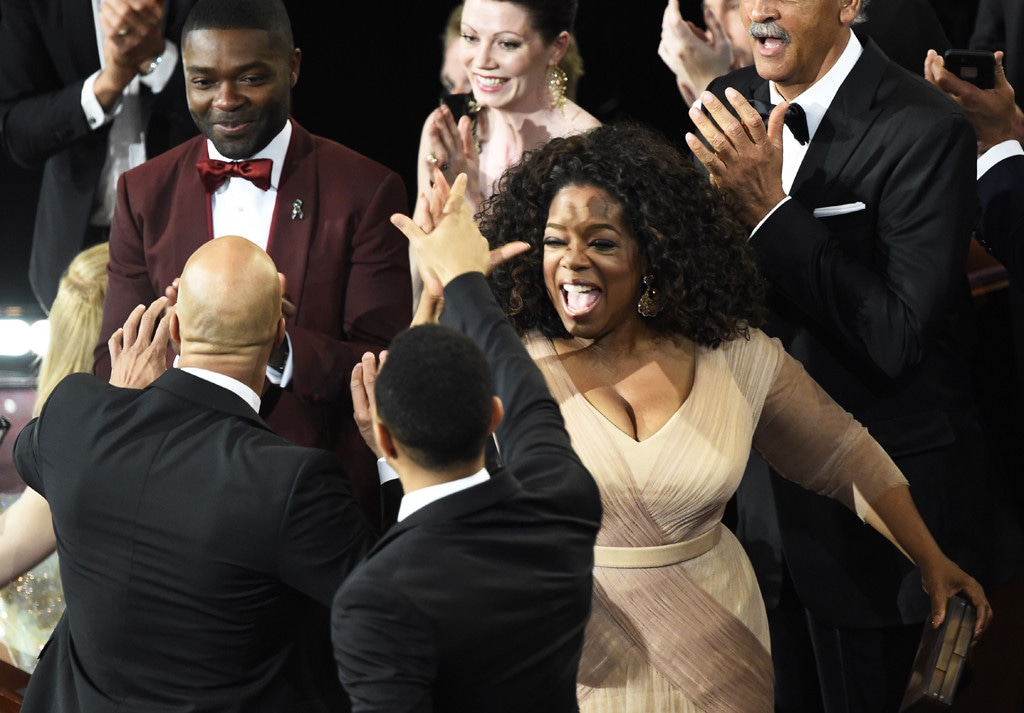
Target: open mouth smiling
{"points": [[579, 298]]}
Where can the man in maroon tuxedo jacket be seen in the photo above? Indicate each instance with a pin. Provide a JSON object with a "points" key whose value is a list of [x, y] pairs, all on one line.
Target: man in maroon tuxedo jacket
{"points": [[321, 213]]}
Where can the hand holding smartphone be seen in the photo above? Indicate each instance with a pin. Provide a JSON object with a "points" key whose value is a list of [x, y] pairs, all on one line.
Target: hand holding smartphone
{"points": [[975, 66]]}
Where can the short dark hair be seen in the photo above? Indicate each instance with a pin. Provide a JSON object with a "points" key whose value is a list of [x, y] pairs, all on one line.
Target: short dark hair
{"points": [[268, 15], [434, 394], [549, 17], [688, 232]]}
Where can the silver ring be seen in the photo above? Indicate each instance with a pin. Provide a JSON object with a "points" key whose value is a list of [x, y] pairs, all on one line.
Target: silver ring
{"points": [[431, 158], [122, 31]]}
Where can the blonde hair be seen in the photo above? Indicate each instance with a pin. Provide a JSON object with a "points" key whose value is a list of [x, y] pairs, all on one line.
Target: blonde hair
{"points": [[571, 63], [74, 320]]}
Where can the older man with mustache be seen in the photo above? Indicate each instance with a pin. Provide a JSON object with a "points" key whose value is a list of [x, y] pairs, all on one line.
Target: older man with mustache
{"points": [[861, 210]]}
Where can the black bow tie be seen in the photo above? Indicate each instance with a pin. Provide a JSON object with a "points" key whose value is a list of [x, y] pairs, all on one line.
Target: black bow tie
{"points": [[796, 119]]}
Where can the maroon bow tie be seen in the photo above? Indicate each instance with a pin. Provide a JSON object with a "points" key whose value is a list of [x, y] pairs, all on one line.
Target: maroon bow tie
{"points": [[213, 173]]}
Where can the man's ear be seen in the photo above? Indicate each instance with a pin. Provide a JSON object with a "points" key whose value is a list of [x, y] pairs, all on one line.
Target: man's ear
{"points": [[293, 67], [848, 11], [279, 336], [175, 326], [385, 440], [497, 413]]}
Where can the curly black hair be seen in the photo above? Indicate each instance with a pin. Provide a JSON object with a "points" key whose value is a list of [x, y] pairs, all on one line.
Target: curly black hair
{"points": [[689, 232]]}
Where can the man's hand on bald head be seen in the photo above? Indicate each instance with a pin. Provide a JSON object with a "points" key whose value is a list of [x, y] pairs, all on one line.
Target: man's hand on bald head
{"points": [[229, 299]]}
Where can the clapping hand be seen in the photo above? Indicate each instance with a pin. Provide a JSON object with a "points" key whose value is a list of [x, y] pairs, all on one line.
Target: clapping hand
{"points": [[694, 55], [454, 245], [133, 37], [364, 379]]}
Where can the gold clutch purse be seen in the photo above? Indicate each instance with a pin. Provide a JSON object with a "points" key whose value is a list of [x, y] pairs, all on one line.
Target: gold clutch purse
{"points": [[941, 659]]}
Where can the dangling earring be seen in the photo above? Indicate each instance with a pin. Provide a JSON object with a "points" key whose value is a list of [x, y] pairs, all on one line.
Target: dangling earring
{"points": [[557, 82], [649, 304]]}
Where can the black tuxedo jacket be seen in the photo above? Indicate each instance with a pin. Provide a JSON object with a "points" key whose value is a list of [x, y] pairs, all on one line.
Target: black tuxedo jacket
{"points": [[867, 289], [47, 50], [192, 541], [478, 601], [1001, 228]]}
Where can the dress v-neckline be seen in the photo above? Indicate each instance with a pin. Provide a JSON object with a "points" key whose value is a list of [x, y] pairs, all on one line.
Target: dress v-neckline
{"points": [[654, 437]]}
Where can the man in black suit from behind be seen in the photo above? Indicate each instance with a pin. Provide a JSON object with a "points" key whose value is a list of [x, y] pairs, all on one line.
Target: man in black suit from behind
{"points": [[861, 224], [190, 535], [476, 600]]}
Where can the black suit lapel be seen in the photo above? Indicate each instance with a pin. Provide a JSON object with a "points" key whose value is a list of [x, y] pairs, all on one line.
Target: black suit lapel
{"points": [[846, 125]]}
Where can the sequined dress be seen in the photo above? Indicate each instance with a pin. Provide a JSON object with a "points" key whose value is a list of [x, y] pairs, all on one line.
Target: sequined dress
{"points": [[693, 635]]}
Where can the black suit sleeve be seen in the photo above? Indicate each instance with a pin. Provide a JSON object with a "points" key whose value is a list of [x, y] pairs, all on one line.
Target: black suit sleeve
{"points": [[321, 509], [532, 437], [41, 114], [389, 660], [885, 305], [1001, 228]]}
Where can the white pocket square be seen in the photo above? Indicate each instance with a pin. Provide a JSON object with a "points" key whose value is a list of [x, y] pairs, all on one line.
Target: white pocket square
{"points": [[827, 211]]}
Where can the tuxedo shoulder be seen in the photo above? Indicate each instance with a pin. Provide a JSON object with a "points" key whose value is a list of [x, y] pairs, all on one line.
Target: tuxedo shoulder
{"points": [[903, 89], [77, 386], [743, 80]]}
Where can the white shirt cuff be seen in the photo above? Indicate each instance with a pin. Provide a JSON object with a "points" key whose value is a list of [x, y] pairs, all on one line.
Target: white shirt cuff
{"points": [[769, 215], [997, 153], [91, 106], [163, 72]]}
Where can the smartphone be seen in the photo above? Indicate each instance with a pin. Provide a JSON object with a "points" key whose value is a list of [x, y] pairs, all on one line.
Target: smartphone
{"points": [[975, 66], [460, 104]]}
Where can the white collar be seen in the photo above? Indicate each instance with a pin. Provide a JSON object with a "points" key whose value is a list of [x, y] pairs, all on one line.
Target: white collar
{"points": [[816, 99], [411, 502], [276, 151], [233, 385]]}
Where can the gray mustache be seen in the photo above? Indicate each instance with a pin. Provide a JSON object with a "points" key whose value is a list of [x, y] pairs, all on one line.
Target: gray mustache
{"points": [[768, 30]]}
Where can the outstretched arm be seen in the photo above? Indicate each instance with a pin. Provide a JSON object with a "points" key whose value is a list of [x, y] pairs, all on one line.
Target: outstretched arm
{"points": [[26, 535]]}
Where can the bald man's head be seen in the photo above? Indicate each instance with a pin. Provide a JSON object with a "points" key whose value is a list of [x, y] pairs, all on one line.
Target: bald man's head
{"points": [[229, 299]]}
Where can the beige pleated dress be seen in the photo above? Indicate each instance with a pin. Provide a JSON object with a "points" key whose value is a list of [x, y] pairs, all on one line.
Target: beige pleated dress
{"points": [[678, 623]]}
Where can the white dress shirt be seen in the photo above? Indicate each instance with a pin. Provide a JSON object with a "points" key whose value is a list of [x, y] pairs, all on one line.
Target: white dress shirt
{"points": [[240, 208], [417, 499], [233, 385], [126, 144]]}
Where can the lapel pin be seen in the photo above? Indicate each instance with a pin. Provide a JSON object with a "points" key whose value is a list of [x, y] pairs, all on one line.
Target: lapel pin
{"points": [[297, 213]]}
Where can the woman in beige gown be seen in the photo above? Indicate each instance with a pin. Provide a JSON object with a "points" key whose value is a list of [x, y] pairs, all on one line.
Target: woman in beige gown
{"points": [[638, 300]]}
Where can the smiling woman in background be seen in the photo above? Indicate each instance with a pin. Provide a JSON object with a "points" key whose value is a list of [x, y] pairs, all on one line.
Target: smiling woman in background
{"points": [[510, 52]]}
